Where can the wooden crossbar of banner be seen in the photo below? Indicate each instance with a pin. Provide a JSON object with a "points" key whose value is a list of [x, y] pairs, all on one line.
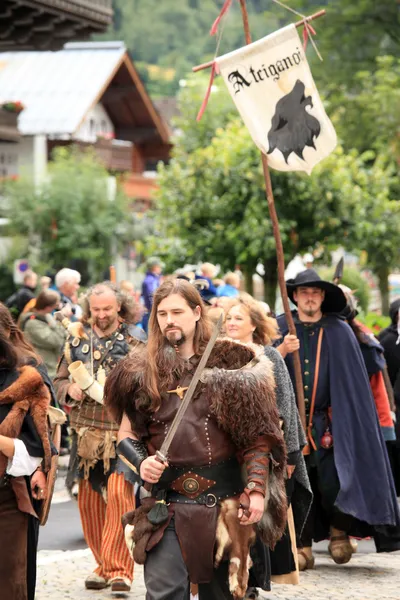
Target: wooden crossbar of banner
{"points": [[316, 15]]}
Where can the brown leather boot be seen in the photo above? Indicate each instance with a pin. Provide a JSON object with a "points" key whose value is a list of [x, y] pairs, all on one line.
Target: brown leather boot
{"points": [[340, 547], [305, 558]]}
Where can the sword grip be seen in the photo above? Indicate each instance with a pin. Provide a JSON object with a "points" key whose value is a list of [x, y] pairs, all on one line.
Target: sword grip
{"points": [[161, 459]]}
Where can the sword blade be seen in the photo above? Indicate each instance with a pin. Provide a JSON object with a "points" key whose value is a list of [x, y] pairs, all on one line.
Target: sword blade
{"points": [[163, 452]]}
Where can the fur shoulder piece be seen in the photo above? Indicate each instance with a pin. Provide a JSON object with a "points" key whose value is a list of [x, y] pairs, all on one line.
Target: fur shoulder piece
{"points": [[228, 354], [123, 384], [77, 330], [242, 394], [27, 393], [242, 399]]}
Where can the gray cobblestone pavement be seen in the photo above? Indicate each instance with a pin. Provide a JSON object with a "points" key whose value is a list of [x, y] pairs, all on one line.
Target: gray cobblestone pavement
{"points": [[366, 577]]}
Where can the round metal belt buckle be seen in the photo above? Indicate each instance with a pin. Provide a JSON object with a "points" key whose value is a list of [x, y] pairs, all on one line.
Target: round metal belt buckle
{"points": [[211, 501], [191, 486]]}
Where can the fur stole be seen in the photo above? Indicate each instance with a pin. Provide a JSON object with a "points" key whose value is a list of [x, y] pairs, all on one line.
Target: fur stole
{"points": [[242, 399], [27, 393]]}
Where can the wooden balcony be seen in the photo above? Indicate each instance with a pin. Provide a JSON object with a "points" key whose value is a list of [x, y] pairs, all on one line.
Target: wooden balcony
{"points": [[114, 156], [49, 24]]}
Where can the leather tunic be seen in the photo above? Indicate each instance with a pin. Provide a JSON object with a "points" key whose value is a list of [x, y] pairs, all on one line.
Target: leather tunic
{"points": [[198, 441]]}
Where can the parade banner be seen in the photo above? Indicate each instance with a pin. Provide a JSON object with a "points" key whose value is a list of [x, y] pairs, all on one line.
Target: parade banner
{"points": [[271, 84]]}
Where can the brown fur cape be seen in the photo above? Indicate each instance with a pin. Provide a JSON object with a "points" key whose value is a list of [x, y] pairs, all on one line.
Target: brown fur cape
{"points": [[27, 393], [240, 388]]}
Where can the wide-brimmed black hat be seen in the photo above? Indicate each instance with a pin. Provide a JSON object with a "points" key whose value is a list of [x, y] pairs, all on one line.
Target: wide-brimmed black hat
{"points": [[334, 301]]}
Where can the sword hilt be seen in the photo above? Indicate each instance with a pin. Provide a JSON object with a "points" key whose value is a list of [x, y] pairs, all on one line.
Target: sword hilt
{"points": [[161, 457]]}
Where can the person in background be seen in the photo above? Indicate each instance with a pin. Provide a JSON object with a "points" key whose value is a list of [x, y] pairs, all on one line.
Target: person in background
{"points": [[150, 284], [246, 322], [103, 338], [17, 302], [44, 283], [46, 335], [128, 288], [67, 283], [23, 445], [375, 364], [390, 340], [308, 260], [347, 463], [207, 272], [231, 286]]}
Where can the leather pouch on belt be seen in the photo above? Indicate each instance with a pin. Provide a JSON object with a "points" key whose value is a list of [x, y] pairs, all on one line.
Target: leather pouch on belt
{"points": [[191, 485]]}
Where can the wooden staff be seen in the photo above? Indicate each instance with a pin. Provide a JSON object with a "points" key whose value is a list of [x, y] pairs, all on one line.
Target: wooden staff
{"points": [[316, 15], [279, 254]]}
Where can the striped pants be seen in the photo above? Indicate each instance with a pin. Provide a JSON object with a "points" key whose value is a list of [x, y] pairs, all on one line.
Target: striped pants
{"points": [[101, 523]]}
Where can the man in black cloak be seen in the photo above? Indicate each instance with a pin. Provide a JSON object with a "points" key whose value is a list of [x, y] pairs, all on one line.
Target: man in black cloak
{"points": [[347, 463], [390, 340]]}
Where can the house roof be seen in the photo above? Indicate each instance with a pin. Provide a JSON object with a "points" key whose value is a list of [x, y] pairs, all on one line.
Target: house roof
{"points": [[58, 89], [168, 109]]}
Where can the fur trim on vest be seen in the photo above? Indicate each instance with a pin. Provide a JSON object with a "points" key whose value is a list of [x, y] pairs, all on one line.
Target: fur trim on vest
{"points": [[28, 393]]}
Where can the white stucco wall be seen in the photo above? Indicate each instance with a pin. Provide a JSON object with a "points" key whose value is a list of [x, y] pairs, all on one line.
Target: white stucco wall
{"points": [[27, 157], [97, 122]]}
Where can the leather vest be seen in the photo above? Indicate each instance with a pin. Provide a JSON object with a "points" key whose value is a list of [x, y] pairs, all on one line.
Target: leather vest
{"points": [[107, 352], [114, 348], [198, 440]]}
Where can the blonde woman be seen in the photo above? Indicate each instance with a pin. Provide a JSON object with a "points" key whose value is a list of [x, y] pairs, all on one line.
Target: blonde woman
{"points": [[247, 322]]}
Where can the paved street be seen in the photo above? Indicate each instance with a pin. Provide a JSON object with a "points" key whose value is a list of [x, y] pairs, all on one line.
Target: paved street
{"points": [[64, 562]]}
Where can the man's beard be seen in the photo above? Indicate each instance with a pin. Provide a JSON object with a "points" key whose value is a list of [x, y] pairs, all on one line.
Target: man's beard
{"points": [[175, 337], [168, 358], [310, 310], [104, 324]]}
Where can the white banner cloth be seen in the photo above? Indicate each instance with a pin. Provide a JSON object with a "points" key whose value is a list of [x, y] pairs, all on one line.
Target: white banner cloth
{"points": [[274, 91]]}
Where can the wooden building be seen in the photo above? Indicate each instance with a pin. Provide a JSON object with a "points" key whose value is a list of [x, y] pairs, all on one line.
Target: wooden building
{"points": [[49, 24], [88, 93]]}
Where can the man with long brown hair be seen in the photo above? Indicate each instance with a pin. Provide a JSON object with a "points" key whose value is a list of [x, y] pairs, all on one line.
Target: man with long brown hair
{"points": [[202, 510], [106, 335]]}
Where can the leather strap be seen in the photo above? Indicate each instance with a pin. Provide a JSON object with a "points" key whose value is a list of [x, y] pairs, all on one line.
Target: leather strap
{"points": [[315, 386]]}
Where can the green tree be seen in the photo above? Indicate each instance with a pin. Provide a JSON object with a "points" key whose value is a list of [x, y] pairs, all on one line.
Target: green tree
{"points": [[378, 221], [213, 200], [176, 34], [212, 205], [71, 217], [370, 119]]}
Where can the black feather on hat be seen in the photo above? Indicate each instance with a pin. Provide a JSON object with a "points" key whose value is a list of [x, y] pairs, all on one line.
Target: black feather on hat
{"points": [[334, 301]]}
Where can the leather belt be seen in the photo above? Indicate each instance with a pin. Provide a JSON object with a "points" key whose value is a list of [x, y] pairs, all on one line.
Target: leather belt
{"points": [[224, 470], [201, 485], [210, 500]]}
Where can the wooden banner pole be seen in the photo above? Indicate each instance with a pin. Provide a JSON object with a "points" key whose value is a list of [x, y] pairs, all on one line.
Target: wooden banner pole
{"points": [[279, 254]]}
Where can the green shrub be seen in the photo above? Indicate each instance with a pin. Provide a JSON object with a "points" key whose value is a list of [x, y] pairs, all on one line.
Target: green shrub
{"points": [[375, 322]]}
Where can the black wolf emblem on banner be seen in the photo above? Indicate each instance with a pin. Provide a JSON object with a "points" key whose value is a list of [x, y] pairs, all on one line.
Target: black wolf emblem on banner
{"points": [[293, 128]]}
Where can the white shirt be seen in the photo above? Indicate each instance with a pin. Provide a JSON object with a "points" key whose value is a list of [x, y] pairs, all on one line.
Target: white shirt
{"points": [[22, 463]]}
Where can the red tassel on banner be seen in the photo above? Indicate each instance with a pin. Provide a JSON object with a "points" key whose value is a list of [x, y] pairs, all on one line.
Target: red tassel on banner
{"points": [[224, 9], [214, 70], [307, 31]]}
